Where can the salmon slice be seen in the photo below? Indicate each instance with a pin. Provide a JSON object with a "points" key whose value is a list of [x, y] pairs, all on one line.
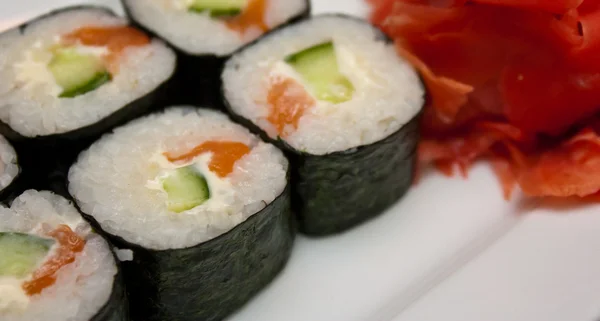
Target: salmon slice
{"points": [[45, 276], [252, 16], [224, 155], [115, 39], [288, 101]]}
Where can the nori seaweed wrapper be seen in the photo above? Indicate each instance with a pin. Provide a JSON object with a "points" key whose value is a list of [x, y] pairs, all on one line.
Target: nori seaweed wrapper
{"points": [[334, 192], [198, 76], [14, 189], [338, 191], [45, 159], [117, 307], [213, 279]]}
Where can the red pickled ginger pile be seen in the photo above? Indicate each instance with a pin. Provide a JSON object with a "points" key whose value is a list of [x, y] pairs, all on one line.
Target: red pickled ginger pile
{"points": [[516, 82]]}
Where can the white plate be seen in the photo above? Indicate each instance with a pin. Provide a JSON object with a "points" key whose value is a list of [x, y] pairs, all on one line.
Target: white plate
{"points": [[546, 269], [385, 269]]}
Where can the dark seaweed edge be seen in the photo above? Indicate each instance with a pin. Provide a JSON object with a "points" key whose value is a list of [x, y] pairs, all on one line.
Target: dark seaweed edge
{"points": [[293, 19], [22, 27], [120, 116], [15, 187], [315, 172], [115, 119]]}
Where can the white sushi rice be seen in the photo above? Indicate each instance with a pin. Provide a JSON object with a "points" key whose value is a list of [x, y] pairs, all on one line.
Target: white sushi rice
{"points": [[388, 91], [81, 288], [29, 103], [9, 168], [199, 33], [112, 181]]}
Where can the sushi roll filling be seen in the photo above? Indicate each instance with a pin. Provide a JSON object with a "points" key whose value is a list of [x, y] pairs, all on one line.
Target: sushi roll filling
{"points": [[198, 176], [305, 80], [186, 188], [30, 262], [77, 72], [319, 68], [76, 63]]}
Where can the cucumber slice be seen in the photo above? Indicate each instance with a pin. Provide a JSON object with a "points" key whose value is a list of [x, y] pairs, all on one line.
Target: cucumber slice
{"points": [[319, 67], [186, 189], [20, 254], [219, 8], [96, 81], [77, 73]]}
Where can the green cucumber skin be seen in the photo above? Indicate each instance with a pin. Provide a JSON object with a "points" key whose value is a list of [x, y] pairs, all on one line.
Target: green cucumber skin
{"points": [[98, 80], [180, 184], [213, 279], [77, 73], [293, 58], [319, 67], [217, 13], [219, 8]]}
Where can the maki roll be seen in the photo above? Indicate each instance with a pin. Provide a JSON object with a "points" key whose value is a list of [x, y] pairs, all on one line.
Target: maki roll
{"points": [[53, 266], [332, 92], [205, 32], [73, 74], [200, 201], [10, 171]]}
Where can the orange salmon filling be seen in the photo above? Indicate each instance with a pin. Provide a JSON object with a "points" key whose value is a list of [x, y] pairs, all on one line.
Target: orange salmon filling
{"points": [[288, 101], [252, 16], [224, 155], [116, 39], [69, 245]]}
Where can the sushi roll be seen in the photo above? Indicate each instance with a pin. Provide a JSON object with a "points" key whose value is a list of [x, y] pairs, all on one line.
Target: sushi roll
{"points": [[53, 266], [10, 171], [332, 92], [205, 32], [73, 74], [202, 204]]}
